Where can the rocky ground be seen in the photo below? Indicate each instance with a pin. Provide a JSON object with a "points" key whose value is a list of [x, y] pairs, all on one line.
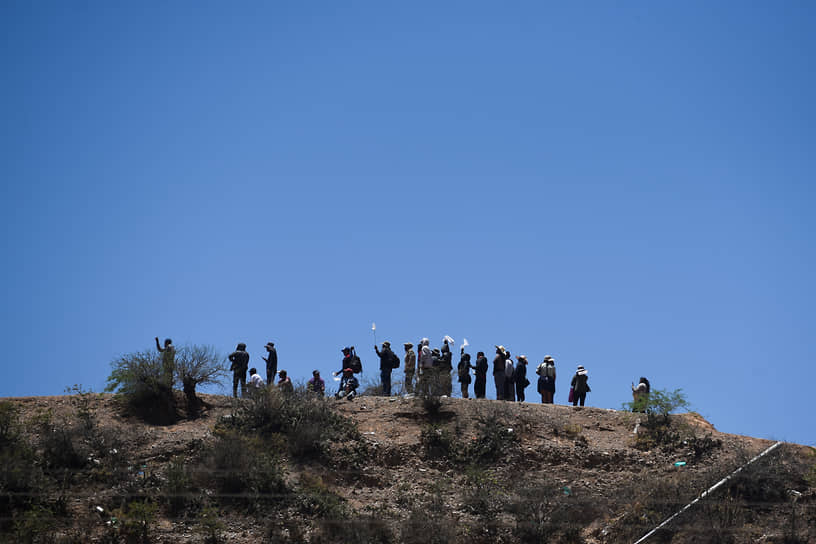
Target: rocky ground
{"points": [[456, 470]]}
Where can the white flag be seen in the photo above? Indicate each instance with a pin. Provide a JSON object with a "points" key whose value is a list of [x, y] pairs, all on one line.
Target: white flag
{"points": [[465, 343], [373, 326]]}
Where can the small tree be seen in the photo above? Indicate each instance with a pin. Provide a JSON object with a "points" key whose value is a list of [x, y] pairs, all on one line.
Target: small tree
{"points": [[660, 403], [198, 365]]}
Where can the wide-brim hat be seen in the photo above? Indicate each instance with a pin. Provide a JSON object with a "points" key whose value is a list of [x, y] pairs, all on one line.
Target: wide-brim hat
{"points": [[549, 358], [500, 348], [408, 345], [580, 367], [270, 345], [522, 358], [387, 343]]}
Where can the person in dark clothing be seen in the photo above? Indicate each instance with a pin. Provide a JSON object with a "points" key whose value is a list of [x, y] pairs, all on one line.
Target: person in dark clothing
{"points": [[240, 362], [386, 366], [520, 376], [480, 370], [348, 385], [445, 369], [271, 362], [580, 386], [168, 360], [464, 372], [498, 372], [509, 380], [350, 360], [640, 395]]}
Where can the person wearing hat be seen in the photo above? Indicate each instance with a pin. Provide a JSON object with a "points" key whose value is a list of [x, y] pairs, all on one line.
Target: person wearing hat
{"points": [[498, 372], [509, 378], [426, 368], [316, 384], [239, 360], [410, 367], [387, 364], [284, 383], [271, 362], [580, 386], [348, 385], [520, 376], [350, 360], [546, 379]]}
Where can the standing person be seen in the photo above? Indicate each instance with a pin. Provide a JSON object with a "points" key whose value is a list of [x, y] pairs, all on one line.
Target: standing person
{"points": [[498, 372], [520, 376], [481, 375], [445, 368], [316, 384], [350, 360], [387, 359], [410, 366], [464, 372], [640, 395], [256, 383], [271, 362], [284, 383], [168, 360], [546, 379], [580, 386], [240, 361], [509, 379], [426, 368]]}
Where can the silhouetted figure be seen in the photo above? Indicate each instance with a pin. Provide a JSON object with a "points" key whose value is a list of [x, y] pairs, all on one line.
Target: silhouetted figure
{"points": [[520, 377], [168, 360], [271, 362], [239, 360], [498, 372], [580, 386], [480, 371], [463, 369], [640, 395]]}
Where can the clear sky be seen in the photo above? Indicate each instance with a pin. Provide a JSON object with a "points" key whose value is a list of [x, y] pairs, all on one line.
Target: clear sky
{"points": [[628, 186]]}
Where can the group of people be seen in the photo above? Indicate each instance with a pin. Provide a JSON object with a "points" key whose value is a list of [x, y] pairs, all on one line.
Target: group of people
{"points": [[430, 374]]}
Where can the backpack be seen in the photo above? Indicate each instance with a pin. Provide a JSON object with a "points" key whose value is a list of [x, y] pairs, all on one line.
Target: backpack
{"points": [[395, 361], [356, 364], [546, 370]]}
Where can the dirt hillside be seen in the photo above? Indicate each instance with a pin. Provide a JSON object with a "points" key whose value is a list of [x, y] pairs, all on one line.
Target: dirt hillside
{"points": [[392, 469]]}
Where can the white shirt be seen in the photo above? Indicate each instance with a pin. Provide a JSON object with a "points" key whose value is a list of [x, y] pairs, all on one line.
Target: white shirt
{"points": [[256, 382]]}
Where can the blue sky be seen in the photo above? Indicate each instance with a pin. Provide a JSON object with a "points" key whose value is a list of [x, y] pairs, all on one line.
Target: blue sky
{"points": [[629, 187]]}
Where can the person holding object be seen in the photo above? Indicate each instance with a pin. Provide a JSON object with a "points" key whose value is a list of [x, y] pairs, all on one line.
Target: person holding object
{"points": [[387, 359], [546, 379], [463, 368], [271, 362]]}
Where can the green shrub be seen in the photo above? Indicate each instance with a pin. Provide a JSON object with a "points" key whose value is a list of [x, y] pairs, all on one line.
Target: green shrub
{"points": [[177, 486], [138, 380], [494, 439], [135, 520], [439, 443]]}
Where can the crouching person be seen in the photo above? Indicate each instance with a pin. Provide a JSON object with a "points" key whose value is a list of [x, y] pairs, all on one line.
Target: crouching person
{"points": [[256, 383], [348, 385]]}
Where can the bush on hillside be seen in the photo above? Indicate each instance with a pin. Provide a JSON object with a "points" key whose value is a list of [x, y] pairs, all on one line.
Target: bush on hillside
{"points": [[137, 379]]}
